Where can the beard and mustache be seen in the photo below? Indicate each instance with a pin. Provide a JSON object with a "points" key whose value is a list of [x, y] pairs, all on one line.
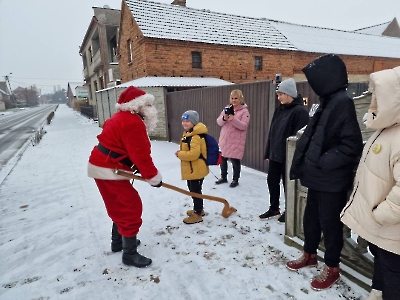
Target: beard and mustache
{"points": [[149, 115], [142, 106]]}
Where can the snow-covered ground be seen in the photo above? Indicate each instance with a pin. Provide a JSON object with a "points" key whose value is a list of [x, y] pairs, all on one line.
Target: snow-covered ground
{"points": [[55, 233]]}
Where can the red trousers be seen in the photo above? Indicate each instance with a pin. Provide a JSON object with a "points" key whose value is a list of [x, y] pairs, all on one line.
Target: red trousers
{"points": [[123, 205]]}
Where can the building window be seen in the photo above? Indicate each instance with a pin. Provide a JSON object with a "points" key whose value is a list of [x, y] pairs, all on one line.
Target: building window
{"points": [[90, 91], [113, 49], [101, 80], [95, 89], [90, 55], [196, 60], [258, 63], [130, 52]]}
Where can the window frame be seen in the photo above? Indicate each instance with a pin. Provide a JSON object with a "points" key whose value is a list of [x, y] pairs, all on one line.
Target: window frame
{"points": [[196, 60], [130, 51], [258, 62]]}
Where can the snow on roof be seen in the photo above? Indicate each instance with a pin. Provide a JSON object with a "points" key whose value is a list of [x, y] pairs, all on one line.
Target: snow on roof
{"points": [[74, 85], [165, 21], [155, 81], [375, 30], [324, 40], [175, 82]]}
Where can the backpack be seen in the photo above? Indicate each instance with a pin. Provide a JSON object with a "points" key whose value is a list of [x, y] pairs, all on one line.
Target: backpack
{"points": [[214, 156]]}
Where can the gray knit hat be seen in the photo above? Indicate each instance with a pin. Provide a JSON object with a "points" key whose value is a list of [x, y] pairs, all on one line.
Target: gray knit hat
{"points": [[192, 116], [288, 87]]}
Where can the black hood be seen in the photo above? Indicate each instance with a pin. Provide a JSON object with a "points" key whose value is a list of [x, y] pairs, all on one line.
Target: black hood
{"points": [[326, 75]]}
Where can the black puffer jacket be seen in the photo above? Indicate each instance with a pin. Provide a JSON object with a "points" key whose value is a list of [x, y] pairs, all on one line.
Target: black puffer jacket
{"points": [[287, 120], [329, 149]]}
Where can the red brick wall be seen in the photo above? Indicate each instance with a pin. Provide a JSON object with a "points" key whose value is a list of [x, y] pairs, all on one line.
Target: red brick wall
{"points": [[130, 30], [232, 63]]}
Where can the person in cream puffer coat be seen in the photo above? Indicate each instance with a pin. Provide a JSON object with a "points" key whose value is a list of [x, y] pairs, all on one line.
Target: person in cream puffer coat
{"points": [[373, 210]]}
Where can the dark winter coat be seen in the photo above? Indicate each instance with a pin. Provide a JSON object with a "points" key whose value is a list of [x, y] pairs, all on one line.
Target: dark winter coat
{"points": [[329, 149], [287, 120]]}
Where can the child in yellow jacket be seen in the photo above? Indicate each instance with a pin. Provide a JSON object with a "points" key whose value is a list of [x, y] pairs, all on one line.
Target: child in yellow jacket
{"points": [[192, 153]]}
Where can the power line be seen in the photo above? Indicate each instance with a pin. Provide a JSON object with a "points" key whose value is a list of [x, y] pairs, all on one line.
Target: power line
{"points": [[68, 79], [19, 82]]}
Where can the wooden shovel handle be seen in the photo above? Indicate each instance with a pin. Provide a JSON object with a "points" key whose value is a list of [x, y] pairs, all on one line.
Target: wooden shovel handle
{"points": [[226, 211]]}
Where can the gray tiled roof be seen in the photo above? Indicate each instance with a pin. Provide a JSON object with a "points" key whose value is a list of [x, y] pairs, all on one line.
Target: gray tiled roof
{"points": [[173, 22], [165, 21], [325, 40], [376, 29]]}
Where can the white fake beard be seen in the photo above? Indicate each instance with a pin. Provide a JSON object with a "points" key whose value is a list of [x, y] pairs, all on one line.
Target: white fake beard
{"points": [[149, 114]]}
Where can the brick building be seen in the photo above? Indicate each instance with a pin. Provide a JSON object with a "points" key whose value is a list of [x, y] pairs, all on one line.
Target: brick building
{"points": [[174, 40]]}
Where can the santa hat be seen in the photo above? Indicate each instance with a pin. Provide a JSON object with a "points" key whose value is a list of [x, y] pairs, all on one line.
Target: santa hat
{"points": [[132, 99]]}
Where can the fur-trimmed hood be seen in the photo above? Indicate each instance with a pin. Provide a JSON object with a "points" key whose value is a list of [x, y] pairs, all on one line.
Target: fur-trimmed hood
{"points": [[384, 110]]}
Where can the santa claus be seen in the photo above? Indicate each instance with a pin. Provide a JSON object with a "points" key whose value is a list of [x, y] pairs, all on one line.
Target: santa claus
{"points": [[124, 144]]}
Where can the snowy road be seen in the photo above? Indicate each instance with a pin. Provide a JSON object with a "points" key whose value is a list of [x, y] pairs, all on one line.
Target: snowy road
{"points": [[16, 129]]}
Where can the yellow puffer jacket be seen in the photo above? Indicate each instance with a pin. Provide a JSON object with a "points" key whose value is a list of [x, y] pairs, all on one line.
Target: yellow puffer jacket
{"points": [[192, 166]]}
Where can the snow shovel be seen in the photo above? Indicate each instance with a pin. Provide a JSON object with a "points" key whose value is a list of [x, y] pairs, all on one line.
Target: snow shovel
{"points": [[226, 211]]}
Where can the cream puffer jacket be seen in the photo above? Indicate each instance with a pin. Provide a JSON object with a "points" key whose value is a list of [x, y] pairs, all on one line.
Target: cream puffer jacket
{"points": [[373, 210]]}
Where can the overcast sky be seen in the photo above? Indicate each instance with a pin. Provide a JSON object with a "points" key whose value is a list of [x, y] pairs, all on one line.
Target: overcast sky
{"points": [[39, 40]]}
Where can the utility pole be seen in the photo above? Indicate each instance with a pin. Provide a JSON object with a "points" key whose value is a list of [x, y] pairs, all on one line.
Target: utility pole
{"points": [[11, 92]]}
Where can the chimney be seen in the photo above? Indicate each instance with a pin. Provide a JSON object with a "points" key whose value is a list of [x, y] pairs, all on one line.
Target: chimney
{"points": [[179, 2]]}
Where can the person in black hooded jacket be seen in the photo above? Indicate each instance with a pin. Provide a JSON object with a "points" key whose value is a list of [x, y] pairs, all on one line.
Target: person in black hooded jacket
{"points": [[324, 161], [289, 117]]}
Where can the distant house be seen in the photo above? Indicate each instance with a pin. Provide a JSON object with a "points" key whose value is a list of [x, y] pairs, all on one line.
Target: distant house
{"points": [[166, 40], [99, 50], [390, 28], [4, 96], [44, 99], [72, 94]]}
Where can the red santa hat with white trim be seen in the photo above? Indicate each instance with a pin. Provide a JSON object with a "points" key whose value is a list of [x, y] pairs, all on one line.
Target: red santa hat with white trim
{"points": [[132, 99]]}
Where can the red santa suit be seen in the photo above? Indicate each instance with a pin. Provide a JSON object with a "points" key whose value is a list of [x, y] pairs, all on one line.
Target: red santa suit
{"points": [[125, 135]]}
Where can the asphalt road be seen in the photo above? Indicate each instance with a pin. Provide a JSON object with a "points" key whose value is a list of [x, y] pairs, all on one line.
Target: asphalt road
{"points": [[16, 128]]}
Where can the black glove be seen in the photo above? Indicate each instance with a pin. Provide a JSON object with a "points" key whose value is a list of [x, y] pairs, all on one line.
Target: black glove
{"points": [[229, 110], [158, 185]]}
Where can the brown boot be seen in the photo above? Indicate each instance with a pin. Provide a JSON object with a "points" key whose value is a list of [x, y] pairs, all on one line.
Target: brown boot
{"points": [[305, 260], [191, 212], [195, 218], [325, 279]]}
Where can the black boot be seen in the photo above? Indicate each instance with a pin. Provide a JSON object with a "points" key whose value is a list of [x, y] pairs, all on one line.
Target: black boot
{"points": [[116, 239], [130, 256], [221, 180]]}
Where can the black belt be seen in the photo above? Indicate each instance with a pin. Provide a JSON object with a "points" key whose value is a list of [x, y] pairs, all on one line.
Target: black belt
{"points": [[126, 161]]}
